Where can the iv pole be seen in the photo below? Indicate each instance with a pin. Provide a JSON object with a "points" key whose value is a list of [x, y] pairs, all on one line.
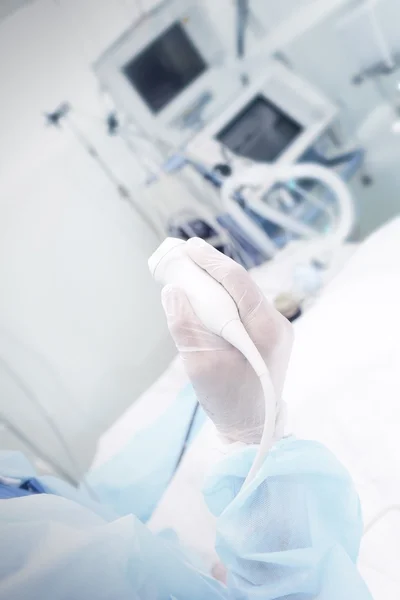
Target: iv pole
{"points": [[61, 116]]}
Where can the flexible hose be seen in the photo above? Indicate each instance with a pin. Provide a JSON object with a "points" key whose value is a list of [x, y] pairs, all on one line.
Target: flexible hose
{"points": [[267, 438], [51, 423], [381, 514], [73, 473], [267, 176], [235, 333]]}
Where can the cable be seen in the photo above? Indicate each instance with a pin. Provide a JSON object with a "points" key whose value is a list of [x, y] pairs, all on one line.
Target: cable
{"points": [[381, 514], [242, 15], [62, 115], [91, 150], [235, 333], [267, 176], [313, 199], [186, 439], [271, 417], [380, 40], [36, 451], [138, 155], [51, 423], [120, 187]]}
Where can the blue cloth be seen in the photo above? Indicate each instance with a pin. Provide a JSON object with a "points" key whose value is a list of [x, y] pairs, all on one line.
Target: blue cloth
{"points": [[21, 489], [18, 476], [294, 532], [135, 479], [14, 465], [33, 486], [12, 491]]}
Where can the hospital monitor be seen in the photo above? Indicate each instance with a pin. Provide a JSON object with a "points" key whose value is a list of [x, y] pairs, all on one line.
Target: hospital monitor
{"points": [[275, 119], [165, 68], [260, 132], [165, 72]]}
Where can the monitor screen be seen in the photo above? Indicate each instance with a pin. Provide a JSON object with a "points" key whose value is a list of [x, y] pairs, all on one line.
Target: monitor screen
{"points": [[165, 68], [260, 132]]}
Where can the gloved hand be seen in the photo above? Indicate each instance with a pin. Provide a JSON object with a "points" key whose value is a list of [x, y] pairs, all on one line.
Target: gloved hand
{"points": [[225, 383]]}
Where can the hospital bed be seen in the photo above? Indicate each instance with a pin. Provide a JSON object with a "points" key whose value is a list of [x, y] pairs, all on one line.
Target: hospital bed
{"points": [[342, 389]]}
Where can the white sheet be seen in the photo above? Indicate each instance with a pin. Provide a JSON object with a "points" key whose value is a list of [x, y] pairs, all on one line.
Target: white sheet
{"points": [[343, 389], [349, 344], [149, 406]]}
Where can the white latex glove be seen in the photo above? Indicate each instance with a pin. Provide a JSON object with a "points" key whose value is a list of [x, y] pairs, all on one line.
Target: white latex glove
{"points": [[225, 383]]}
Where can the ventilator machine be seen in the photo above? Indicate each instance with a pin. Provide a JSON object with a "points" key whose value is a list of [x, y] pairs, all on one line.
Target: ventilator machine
{"points": [[209, 125]]}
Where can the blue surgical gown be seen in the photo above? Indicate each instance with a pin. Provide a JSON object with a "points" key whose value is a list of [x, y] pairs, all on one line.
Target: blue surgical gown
{"points": [[293, 533]]}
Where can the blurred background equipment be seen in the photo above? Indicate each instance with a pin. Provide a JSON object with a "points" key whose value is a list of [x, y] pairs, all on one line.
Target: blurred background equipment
{"points": [[166, 71]]}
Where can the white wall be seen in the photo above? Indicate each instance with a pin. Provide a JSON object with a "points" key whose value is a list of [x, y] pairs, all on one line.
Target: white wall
{"points": [[49, 48], [75, 288], [330, 55]]}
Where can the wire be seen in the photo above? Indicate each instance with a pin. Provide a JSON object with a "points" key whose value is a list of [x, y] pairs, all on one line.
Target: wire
{"points": [[91, 150], [256, 25], [242, 15], [163, 146], [35, 450], [381, 514], [53, 426], [267, 438], [135, 152], [119, 186], [235, 333], [312, 198], [186, 438], [380, 40]]}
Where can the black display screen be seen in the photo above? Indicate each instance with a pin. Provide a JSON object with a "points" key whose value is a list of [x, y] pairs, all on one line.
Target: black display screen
{"points": [[165, 68], [261, 131]]}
